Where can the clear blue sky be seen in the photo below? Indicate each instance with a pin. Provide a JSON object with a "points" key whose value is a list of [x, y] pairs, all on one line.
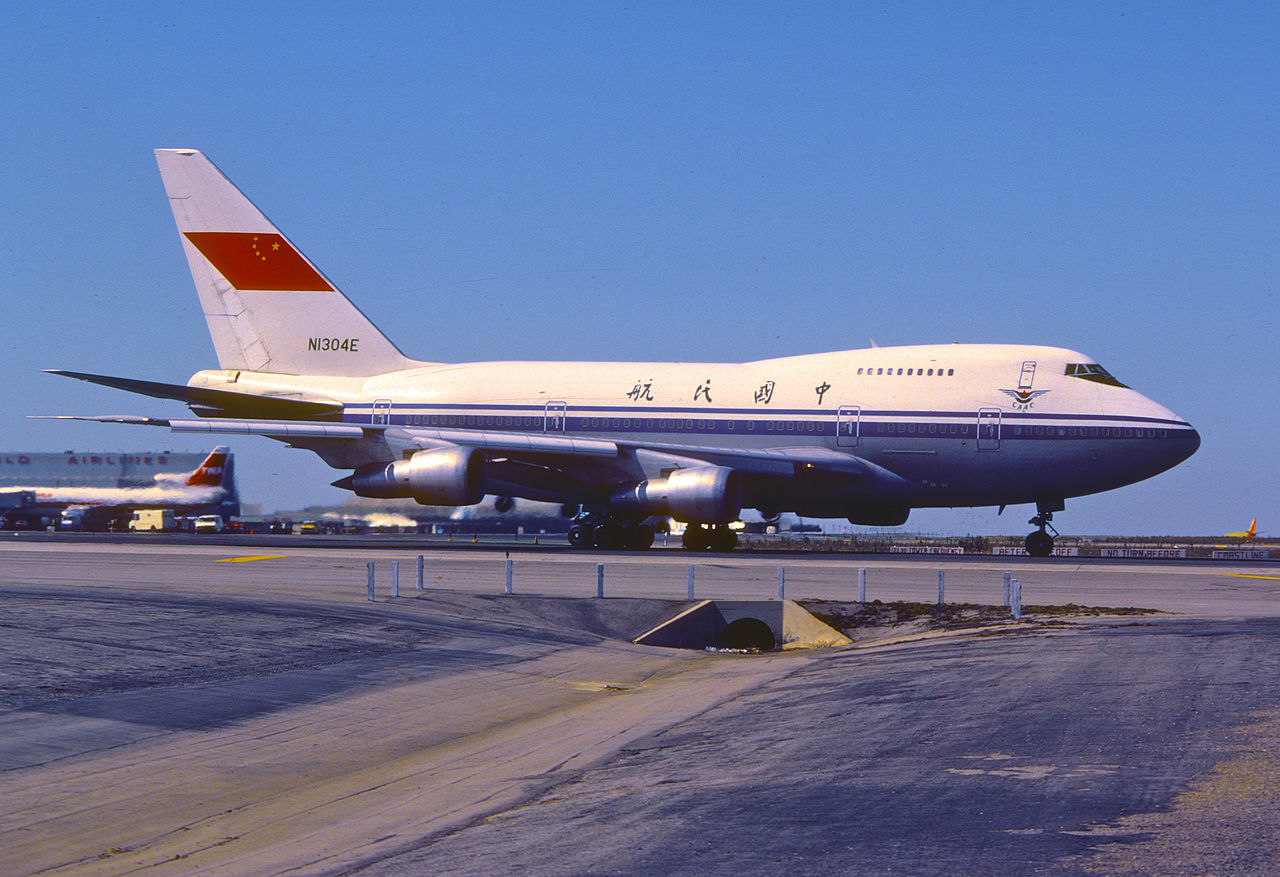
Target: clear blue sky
{"points": [[670, 181]]}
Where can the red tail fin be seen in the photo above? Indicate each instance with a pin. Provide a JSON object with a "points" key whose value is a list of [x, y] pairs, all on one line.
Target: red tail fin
{"points": [[211, 472]]}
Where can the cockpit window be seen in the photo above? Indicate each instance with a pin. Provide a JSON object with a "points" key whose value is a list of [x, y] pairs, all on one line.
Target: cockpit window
{"points": [[1091, 371]]}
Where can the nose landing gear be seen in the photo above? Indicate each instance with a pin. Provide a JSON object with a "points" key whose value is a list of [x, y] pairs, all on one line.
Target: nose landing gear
{"points": [[1040, 543]]}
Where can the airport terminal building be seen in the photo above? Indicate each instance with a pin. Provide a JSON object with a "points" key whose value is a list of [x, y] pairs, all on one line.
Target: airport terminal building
{"points": [[91, 469]]}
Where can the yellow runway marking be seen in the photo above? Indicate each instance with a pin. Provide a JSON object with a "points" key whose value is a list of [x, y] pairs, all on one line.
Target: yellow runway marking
{"points": [[247, 559], [1245, 575]]}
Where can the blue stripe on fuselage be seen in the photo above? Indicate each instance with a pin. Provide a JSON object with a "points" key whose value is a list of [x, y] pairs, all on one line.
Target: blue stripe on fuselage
{"points": [[613, 421]]}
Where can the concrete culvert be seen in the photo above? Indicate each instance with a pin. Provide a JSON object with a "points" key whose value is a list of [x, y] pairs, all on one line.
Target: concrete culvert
{"points": [[748, 633], [763, 625]]}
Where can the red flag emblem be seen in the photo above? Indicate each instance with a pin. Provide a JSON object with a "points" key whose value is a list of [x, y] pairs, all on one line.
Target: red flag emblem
{"points": [[259, 260]]}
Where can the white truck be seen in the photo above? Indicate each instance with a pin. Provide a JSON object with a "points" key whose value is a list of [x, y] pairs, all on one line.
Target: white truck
{"points": [[209, 524], [153, 520]]}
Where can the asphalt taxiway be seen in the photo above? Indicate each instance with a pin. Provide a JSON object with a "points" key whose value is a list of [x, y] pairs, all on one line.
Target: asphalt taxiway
{"points": [[228, 710]]}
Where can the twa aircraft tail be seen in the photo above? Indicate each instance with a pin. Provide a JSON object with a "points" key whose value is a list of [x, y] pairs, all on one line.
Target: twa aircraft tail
{"points": [[215, 471], [268, 308], [214, 474]]}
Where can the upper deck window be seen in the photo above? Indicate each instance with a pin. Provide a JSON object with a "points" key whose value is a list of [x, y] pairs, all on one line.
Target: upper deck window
{"points": [[1091, 371]]}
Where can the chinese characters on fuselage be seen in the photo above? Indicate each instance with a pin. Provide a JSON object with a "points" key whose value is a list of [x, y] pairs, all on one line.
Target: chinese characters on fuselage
{"points": [[642, 391]]}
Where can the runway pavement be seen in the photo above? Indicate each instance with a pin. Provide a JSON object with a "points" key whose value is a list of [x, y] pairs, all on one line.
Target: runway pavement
{"points": [[1209, 589], [229, 710]]}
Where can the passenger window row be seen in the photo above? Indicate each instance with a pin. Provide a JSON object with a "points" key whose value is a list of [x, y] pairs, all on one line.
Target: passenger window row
{"points": [[917, 372]]}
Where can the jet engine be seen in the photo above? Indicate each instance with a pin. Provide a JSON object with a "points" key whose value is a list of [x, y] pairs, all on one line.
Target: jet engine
{"points": [[700, 494], [880, 516], [440, 476]]}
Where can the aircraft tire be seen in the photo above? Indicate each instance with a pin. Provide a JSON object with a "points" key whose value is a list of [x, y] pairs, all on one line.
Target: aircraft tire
{"points": [[722, 539], [695, 537], [579, 536], [607, 536], [639, 537], [1039, 544]]}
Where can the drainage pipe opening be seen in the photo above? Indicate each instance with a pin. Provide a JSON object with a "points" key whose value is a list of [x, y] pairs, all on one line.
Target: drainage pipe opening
{"points": [[749, 634]]}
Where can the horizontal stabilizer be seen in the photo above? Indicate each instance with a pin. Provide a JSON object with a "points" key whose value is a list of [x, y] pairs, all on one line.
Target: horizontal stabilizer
{"points": [[217, 403], [276, 429], [131, 419]]}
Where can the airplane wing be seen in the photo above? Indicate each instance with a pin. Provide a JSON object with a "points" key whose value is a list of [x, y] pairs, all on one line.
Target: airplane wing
{"points": [[537, 448]]}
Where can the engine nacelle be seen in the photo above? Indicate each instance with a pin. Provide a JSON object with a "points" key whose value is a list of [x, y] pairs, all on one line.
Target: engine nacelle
{"points": [[880, 516], [441, 476], [698, 495]]}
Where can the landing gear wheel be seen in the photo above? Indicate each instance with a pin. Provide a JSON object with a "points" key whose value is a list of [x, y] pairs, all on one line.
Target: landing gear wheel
{"points": [[638, 537], [1039, 544], [580, 535], [607, 535], [696, 537], [722, 539]]}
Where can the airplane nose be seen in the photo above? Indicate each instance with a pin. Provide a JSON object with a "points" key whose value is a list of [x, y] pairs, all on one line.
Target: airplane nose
{"points": [[1180, 444]]}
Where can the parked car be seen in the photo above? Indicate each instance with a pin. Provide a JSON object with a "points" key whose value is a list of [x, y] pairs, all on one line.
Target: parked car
{"points": [[209, 524]]}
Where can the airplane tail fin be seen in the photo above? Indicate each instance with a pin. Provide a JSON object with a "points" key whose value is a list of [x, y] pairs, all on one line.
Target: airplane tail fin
{"points": [[1253, 528], [268, 308], [215, 471]]}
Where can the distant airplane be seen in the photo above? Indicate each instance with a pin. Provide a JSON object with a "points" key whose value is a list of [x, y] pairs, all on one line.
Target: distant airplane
{"points": [[1247, 534], [866, 435], [209, 488]]}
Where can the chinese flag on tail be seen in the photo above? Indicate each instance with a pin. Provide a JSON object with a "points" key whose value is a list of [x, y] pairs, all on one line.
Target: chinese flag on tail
{"points": [[257, 260]]}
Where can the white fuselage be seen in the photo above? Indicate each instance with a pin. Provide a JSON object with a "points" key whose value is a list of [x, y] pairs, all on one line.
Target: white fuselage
{"points": [[957, 424]]}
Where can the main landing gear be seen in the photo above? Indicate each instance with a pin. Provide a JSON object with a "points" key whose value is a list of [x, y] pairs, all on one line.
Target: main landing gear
{"points": [[1040, 543], [590, 532], [700, 537]]}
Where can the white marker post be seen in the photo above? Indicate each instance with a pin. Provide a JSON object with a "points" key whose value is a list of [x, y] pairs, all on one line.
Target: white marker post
{"points": [[691, 582], [862, 586], [782, 583], [507, 590], [371, 599], [1008, 592], [1015, 604], [942, 582], [395, 578], [421, 565], [599, 580]]}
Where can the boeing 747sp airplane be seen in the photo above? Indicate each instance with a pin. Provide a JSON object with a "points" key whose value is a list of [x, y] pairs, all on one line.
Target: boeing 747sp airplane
{"points": [[866, 435]]}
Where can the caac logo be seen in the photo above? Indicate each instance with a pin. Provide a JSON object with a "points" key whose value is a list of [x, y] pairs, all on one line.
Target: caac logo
{"points": [[1023, 399]]}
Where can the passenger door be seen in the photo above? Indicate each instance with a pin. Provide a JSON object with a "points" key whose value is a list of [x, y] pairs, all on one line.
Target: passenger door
{"points": [[554, 417], [848, 423], [988, 429]]}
